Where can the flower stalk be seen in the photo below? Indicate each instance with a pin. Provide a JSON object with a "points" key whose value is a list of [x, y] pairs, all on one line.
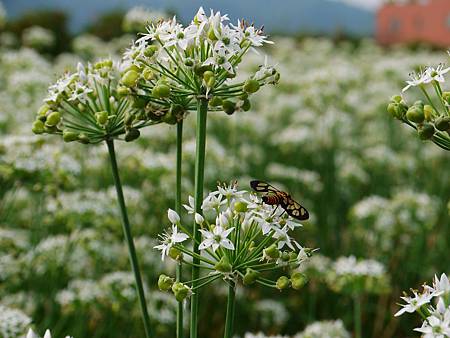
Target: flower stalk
{"points": [[231, 306], [179, 268], [202, 112], [129, 238], [357, 315]]}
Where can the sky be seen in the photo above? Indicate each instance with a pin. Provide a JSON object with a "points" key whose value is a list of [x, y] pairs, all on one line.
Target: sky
{"points": [[365, 4]]}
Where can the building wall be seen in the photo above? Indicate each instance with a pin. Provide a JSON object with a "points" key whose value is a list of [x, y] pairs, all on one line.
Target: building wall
{"points": [[424, 21]]}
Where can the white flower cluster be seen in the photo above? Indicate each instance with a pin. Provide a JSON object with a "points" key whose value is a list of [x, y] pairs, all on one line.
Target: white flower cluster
{"points": [[433, 305], [47, 334], [13, 323], [137, 18], [321, 329], [38, 37], [325, 329], [350, 275]]}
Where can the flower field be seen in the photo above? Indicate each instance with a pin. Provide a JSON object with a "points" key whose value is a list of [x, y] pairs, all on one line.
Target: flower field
{"points": [[378, 198]]}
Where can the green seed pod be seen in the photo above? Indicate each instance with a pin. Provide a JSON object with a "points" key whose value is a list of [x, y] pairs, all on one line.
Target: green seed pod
{"points": [[442, 123], [43, 110], [53, 119], [419, 104], [429, 112], [215, 101], [392, 109], [83, 138], [101, 117], [139, 102], [228, 107], [132, 134], [283, 283], [165, 283], [38, 127], [188, 62], [292, 255], [169, 118], [298, 280], [415, 114], [148, 74], [223, 265], [161, 91], [180, 291], [199, 69], [129, 79], [250, 276], [285, 256], [69, 136], [251, 86], [175, 254], [426, 131], [272, 252], [150, 50], [240, 206], [246, 105]]}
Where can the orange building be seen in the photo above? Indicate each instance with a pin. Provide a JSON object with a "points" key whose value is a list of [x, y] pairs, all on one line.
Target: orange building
{"points": [[415, 21]]}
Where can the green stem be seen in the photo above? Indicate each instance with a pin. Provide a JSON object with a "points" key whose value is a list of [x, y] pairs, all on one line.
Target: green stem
{"points": [[202, 110], [231, 305], [179, 269], [357, 315], [129, 238]]}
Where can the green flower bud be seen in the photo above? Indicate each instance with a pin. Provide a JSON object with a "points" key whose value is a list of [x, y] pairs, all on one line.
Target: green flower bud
{"points": [[298, 280], [165, 283], [180, 291], [223, 265], [130, 78], [215, 101], [426, 131], [43, 110], [69, 136], [188, 62], [175, 254], [446, 97], [150, 51], [442, 123], [250, 276], [246, 105], [161, 91], [283, 283], [251, 86], [209, 78], [53, 119], [83, 138], [272, 252], [101, 117], [396, 98], [240, 206], [292, 255], [415, 114], [38, 127], [228, 107], [200, 69], [132, 134], [123, 91], [148, 74]]}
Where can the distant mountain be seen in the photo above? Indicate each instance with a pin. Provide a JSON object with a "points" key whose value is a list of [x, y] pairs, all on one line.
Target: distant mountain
{"points": [[289, 16]]}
